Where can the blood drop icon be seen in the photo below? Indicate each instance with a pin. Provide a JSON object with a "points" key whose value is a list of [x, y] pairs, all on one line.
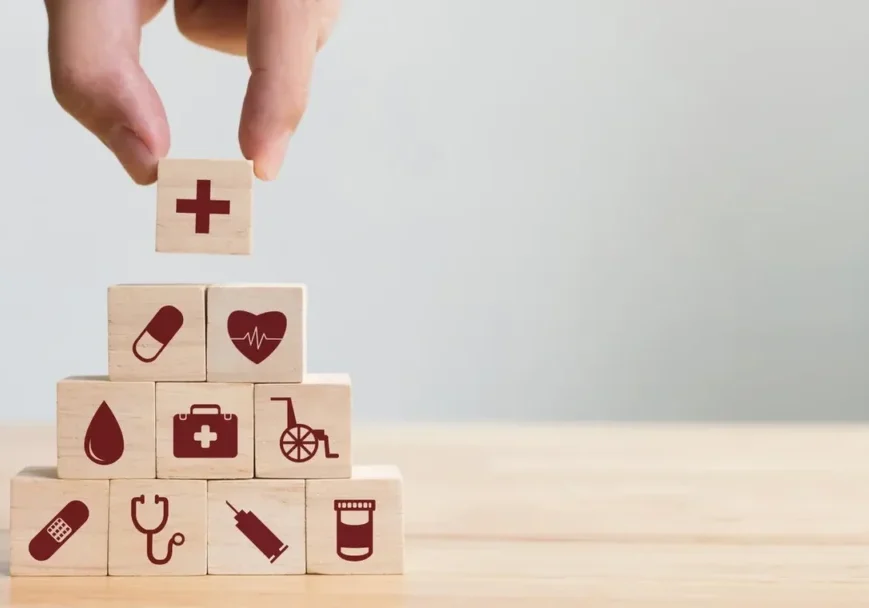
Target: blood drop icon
{"points": [[104, 441]]}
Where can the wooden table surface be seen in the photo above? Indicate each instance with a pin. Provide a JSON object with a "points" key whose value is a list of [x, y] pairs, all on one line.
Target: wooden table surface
{"points": [[565, 515]]}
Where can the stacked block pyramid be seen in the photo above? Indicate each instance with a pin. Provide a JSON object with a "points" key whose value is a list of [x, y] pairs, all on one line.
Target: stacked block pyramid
{"points": [[208, 448]]}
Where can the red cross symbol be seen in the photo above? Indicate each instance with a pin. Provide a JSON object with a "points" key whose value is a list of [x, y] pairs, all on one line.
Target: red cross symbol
{"points": [[202, 206]]}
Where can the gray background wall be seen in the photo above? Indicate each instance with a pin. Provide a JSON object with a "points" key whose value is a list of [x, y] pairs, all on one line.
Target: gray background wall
{"points": [[503, 209]]}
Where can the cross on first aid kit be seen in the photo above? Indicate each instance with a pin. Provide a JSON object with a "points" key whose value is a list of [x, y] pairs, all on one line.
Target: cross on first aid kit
{"points": [[205, 432]]}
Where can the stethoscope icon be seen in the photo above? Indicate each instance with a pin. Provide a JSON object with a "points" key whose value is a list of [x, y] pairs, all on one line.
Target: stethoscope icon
{"points": [[177, 539]]}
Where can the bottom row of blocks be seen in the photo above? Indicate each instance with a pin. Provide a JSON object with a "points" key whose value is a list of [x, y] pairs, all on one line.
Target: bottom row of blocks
{"points": [[174, 527]]}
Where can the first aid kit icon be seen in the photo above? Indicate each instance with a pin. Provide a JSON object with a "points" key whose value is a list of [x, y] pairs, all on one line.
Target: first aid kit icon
{"points": [[205, 432]]}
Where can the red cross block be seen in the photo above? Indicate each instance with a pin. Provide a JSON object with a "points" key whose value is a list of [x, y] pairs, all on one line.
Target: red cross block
{"points": [[202, 206]]}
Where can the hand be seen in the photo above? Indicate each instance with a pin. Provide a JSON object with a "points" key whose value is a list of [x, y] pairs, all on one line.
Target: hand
{"points": [[93, 50]]}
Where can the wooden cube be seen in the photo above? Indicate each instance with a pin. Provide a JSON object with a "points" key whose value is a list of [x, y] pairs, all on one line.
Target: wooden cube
{"points": [[204, 206], [356, 525], [256, 526], [302, 431], [256, 333], [58, 527], [105, 429], [176, 548], [204, 430], [157, 332]]}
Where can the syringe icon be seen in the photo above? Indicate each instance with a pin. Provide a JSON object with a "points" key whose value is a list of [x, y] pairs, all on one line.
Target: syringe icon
{"points": [[258, 533]]}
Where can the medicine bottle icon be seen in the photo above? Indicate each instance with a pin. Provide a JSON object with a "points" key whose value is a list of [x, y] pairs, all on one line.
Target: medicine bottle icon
{"points": [[354, 521]]}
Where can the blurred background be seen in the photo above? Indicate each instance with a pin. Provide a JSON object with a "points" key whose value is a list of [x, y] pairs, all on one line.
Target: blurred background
{"points": [[565, 209]]}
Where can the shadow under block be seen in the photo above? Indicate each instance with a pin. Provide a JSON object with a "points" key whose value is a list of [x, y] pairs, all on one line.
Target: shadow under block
{"points": [[177, 548], [302, 431], [256, 526], [58, 527], [204, 430], [356, 525], [157, 332], [256, 333], [204, 206], [105, 430]]}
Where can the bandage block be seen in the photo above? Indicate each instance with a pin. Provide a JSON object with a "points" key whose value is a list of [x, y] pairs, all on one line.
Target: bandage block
{"points": [[256, 526], [256, 333], [105, 430], [204, 430], [171, 537], [356, 525], [302, 431], [157, 332], [58, 527], [204, 206]]}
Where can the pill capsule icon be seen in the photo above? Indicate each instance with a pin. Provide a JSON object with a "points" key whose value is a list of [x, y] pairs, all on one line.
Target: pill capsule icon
{"points": [[158, 333]]}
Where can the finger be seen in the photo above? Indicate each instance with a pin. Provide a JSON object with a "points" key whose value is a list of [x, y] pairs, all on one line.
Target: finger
{"points": [[218, 25], [93, 48], [282, 40]]}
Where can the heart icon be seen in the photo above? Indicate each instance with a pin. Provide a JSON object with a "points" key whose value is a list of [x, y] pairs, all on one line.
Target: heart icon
{"points": [[256, 336]]}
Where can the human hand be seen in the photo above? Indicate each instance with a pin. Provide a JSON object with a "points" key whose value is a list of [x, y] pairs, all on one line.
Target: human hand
{"points": [[93, 50]]}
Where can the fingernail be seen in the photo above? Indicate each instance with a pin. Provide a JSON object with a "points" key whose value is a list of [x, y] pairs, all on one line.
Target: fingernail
{"points": [[133, 155], [270, 163]]}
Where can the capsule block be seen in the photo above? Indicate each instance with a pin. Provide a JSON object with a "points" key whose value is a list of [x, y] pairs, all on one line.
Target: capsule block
{"points": [[58, 527], [355, 525], [157, 332], [256, 526]]}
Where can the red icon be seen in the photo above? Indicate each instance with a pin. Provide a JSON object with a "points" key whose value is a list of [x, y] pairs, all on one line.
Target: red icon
{"points": [[58, 530], [256, 336], [209, 435], [299, 442], [354, 529], [177, 539], [161, 328], [258, 533], [202, 206], [104, 440]]}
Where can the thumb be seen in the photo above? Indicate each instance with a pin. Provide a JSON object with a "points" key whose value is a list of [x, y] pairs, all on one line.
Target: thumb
{"points": [[283, 38]]}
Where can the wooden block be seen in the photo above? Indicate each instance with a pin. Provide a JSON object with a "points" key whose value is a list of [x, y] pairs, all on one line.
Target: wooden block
{"points": [[356, 525], [204, 206], [302, 431], [58, 527], [157, 332], [256, 333], [178, 548], [204, 430], [256, 526], [105, 429]]}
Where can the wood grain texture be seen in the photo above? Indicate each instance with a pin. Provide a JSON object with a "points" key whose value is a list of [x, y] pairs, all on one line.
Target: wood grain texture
{"points": [[321, 402], [278, 504], [592, 516], [197, 403], [186, 514], [356, 525], [131, 309], [37, 497], [286, 363], [131, 404], [230, 180]]}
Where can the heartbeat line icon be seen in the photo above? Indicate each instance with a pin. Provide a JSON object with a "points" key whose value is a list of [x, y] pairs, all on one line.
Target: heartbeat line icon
{"points": [[255, 338]]}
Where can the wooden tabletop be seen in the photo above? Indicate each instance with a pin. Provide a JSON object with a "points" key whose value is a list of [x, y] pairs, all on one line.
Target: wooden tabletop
{"points": [[565, 515]]}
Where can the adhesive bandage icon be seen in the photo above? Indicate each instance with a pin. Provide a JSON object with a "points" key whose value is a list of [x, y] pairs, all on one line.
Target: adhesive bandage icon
{"points": [[159, 331]]}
